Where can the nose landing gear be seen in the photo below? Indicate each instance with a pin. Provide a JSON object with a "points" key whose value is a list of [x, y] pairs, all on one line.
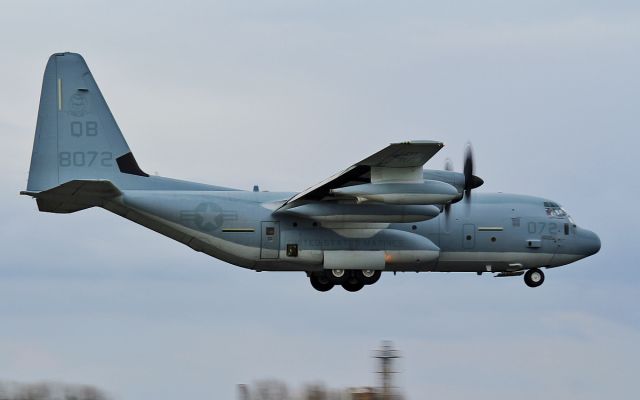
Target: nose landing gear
{"points": [[534, 277]]}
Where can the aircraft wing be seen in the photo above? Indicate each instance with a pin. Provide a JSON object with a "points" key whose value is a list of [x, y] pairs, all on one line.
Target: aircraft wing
{"points": [[398, 162]]}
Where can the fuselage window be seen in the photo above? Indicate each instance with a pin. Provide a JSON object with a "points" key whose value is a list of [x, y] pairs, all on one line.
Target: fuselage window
{"points": [[566, 229]]}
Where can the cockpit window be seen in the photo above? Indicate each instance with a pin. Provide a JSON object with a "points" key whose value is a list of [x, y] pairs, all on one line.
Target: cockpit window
{"points": [[554, 210]]}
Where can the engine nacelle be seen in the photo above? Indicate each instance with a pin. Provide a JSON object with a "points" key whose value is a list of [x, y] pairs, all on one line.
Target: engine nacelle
{"points": [[373, 213], [427, 192]]}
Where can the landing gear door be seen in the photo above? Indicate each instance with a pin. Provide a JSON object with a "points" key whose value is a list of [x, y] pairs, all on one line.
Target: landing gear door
{"points": [[270, 240], [469, 236]]}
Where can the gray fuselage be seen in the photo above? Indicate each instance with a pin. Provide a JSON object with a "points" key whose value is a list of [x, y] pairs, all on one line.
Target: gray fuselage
{"points": [[493, 233]]}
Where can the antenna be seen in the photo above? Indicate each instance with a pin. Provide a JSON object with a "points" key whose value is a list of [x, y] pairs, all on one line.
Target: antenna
{"points": [[386, 355]]}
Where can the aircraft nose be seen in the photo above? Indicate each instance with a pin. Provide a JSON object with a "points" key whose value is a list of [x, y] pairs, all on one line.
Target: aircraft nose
{"points": [[590, 242]]}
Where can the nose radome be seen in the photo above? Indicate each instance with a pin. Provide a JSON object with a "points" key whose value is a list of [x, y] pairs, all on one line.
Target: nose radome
{"points": [[591, 242]]}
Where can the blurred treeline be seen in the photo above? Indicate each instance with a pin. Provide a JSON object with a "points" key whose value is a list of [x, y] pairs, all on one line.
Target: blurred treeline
{"points": [[49, 391], [272, 389]]}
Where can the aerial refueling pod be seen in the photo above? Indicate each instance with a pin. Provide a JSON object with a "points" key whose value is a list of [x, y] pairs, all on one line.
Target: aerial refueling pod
{"points": [[350, 248], [388, 249], [373, 213], [427, 192]]}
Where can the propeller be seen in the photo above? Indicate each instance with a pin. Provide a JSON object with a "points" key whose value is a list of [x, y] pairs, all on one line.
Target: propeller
{"points": [[470, 180]]}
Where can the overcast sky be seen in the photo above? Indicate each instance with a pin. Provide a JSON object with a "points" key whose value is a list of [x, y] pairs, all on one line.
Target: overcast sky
{"points": [[284, 94]]}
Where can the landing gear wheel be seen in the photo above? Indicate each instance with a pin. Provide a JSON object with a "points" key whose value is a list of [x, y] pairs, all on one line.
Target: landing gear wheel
{"points": [[352, 285], [320, 283], [337, 276], [369, 276], [534, 277]]}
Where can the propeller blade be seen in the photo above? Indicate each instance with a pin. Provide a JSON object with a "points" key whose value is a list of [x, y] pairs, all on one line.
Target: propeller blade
{"points": [[468, 167], [447, 212], [470, 180]]}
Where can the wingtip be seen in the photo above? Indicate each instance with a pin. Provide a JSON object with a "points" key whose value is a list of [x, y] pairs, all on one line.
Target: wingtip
{"points": [[66, 54], [422, 142]]}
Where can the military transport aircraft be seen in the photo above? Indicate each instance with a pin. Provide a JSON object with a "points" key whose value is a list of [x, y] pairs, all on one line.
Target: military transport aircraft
{"points": [[384, 213]]}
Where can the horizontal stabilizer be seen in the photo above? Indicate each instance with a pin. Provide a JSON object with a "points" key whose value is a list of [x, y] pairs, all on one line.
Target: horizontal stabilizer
{"points": [[74, 196]]}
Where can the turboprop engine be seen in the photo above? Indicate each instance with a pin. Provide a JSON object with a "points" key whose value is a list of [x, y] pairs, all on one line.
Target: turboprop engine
{"points": [[338, 212], [427, 192]]}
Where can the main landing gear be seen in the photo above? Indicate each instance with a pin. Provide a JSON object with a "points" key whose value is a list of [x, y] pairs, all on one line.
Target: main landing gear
{"points": [[350, 280], [534, 277]]}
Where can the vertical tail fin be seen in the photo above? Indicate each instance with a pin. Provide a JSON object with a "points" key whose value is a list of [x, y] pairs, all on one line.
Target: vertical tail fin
{"points": [[76, 135]]}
